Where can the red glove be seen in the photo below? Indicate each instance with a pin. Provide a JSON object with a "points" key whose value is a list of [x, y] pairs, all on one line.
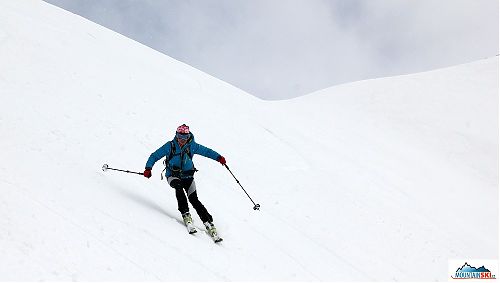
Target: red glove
{"points": [[221, 159], [147, 173]]}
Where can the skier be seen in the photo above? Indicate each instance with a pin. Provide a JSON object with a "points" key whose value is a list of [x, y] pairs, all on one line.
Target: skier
{"points": [[179, 172]]}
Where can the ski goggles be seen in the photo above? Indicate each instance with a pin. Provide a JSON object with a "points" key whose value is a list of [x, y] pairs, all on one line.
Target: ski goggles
{"points": [[182, 136]]}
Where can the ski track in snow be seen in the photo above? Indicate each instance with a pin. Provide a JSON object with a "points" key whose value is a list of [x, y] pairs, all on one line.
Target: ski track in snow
{"points": [[28, 196]]}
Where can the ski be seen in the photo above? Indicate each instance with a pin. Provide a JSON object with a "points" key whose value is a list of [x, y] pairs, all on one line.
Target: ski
{"points": [[211, 230], [217, 239], [191, 229]]}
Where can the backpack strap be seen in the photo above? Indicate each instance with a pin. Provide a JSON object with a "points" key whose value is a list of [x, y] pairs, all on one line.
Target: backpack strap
{"points": [[172, 150], [188, 151], [168, 157]]}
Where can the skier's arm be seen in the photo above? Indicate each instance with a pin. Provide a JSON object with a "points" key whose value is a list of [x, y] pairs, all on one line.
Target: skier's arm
{"points": [[157, 155], [204, 151]]}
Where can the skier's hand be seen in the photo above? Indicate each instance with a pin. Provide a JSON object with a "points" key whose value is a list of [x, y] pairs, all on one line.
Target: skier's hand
{"points": [[221, 159], [147, 173]]}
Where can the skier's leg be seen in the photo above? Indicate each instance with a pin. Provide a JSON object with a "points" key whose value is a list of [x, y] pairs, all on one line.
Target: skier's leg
{"points": [[182, 204], [193, 199], [205, 217]]}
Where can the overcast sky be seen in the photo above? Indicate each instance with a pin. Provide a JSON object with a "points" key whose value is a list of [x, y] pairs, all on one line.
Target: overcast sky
{"points": [[277, 49]]}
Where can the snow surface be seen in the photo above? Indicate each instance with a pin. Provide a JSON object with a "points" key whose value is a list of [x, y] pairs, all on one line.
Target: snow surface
{"points": [[384, 179]]}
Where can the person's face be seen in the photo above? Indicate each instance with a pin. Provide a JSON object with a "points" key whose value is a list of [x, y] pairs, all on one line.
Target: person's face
{"points": [[182, 138], [181, 141]]}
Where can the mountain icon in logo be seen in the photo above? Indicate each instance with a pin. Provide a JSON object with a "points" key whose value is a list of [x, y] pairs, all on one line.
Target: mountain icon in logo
{"points": [[468, 271], [467, 268]]}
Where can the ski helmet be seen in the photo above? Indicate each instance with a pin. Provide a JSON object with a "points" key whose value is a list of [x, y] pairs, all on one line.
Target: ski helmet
{"points": [[183, 129]]}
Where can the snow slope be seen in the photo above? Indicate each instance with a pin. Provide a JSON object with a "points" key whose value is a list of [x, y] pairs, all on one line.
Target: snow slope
{"points": [[382, 179]]}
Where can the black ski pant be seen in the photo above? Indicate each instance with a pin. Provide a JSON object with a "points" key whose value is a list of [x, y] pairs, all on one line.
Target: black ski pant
{"points": [[188, 186]]}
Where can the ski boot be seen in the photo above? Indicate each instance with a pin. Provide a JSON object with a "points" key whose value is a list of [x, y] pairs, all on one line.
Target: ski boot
{"points": [[188, 221], [212, 232]]}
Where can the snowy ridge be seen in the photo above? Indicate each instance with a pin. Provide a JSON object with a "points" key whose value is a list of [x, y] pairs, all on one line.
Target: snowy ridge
{"points": [[373, 180]]}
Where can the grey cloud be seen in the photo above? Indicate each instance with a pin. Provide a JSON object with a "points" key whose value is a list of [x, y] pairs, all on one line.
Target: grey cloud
{"points": [[281, 49]]}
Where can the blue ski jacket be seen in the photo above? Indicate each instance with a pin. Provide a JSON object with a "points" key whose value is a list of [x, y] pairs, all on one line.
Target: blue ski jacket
{"points": [[180, 163]]}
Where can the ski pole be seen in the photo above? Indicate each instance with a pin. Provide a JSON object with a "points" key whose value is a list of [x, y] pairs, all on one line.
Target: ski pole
{"points": [[255, 206], [105, 167]]}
